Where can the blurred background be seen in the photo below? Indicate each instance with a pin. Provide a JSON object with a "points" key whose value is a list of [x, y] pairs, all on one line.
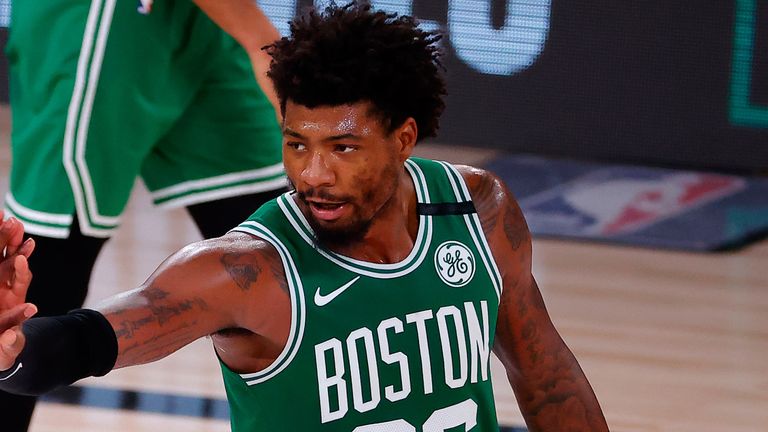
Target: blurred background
{"points": [[635, 135], [675, 82]]}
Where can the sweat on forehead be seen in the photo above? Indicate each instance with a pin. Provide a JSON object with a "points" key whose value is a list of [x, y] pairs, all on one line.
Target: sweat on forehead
{"points": [[354, 119]]}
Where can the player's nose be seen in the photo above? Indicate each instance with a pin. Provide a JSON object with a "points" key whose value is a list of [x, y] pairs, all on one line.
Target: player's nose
{"points": [[317, 171]]}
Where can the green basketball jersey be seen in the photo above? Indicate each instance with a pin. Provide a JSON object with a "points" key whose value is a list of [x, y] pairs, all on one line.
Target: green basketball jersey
{"points": [[400, 347]]}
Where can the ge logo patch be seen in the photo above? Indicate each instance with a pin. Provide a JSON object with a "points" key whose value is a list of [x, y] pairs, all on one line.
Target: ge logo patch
{"points": [[455, 263]]}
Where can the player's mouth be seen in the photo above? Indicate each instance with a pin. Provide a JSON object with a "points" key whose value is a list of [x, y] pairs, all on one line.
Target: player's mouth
{"points": [[326, 210]]}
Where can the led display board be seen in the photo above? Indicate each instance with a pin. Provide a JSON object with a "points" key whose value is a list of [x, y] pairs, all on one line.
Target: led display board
{"points": [[670, 82]]}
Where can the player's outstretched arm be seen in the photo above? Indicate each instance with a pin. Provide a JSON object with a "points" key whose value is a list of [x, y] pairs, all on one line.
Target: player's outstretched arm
{"points": [[196, 292], [192, 294], [551, 389]]}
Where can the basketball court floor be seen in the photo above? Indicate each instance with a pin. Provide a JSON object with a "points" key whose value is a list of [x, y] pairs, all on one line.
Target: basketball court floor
{"points": [[671, 341]]}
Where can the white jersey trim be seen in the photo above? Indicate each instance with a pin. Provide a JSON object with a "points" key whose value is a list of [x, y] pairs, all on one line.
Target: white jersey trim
{"points": [[374, 270], [79, 117], [64, 220], [226, 192], [298, 308], [474, 227], [222, 180], [43, 230]]}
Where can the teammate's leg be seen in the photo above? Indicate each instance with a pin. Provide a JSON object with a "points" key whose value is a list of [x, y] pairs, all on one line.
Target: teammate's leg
{"points": [[85, 113], [74, 257], [215, 218], [222, 158]]}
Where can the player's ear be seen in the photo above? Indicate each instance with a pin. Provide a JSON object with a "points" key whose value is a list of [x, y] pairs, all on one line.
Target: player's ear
{"points": [[405, 137]]}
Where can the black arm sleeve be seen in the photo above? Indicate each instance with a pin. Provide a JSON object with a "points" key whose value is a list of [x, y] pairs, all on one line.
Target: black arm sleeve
{"points": [[61, 350]]}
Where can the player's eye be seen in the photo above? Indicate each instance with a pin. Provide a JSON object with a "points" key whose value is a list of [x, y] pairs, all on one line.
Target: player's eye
{"points": [[295, 145], [343, 148]]}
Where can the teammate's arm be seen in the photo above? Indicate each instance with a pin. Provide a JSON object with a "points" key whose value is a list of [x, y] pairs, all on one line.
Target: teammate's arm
{"points": [[551, 389], [247, 23]]}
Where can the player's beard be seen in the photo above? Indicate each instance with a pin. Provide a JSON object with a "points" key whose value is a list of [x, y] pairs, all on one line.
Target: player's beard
{"points": [[330, 236], [357, 225]]}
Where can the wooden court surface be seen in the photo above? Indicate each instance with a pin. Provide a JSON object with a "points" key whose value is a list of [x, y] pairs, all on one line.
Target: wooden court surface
{"points": [[671, 341]]}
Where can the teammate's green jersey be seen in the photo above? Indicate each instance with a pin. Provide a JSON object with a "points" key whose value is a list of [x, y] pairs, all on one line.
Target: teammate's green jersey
{"points": [[398, 347]]}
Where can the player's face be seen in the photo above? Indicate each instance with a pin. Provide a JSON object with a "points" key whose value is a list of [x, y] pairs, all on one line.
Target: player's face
{"points": [[344, 165]]}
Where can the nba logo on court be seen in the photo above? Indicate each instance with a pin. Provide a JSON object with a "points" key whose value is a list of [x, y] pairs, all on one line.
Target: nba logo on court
{"points": [[618, 201], [455, 263]]}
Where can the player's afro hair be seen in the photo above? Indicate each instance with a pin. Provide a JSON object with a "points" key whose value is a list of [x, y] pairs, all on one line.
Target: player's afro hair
{"points": [[349, 54]]}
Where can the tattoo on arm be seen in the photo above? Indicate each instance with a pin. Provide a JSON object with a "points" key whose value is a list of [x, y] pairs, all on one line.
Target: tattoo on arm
{"points": [[493, 201], [165, 313], [515, 227], [552, 391], [171, 324], [159, 313], [242, 268], [278, 272], [126, 329], [484, 196]]}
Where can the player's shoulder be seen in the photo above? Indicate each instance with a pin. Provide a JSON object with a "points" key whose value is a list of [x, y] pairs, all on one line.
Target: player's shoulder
{"points": [[475, 176], [487, 189], [242, 259], [231, 246], [496, 205]]}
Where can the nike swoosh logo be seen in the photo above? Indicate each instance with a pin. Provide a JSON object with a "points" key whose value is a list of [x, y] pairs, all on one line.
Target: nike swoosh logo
{"points": [[21, 365], [322, 300]]}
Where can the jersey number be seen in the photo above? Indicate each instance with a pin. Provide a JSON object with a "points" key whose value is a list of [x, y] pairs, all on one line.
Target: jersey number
{"points": [[462, 413]]}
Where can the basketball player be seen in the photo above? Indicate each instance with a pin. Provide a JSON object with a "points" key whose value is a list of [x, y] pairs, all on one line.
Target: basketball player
{"points": [[102, 93], [369, 298]]}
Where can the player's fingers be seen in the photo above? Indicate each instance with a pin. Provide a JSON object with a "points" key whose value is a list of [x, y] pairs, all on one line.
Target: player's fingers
{"points": [[6, 274], [21, 277], [6, 226], [16, 315], [16, 267], [11, 344], [26, 248], [11, 235]]}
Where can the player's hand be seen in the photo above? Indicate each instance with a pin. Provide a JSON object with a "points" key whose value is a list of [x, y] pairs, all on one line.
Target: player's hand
{"points": [[14, 271], [12, 338], [14, 281]]}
